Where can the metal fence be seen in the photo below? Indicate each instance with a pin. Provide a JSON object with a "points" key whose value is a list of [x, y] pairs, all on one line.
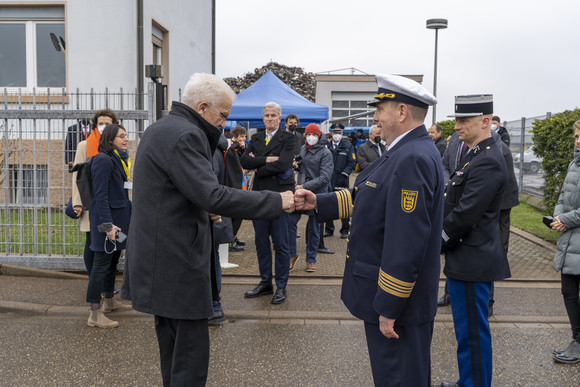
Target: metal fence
{"points": [[527, 166], [34, 176]]}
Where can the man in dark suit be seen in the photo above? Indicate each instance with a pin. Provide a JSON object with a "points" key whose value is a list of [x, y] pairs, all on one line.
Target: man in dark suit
{"points": [[392, 267], [270, 154], [75, 134], [503, 133], [435, 132], [371, 150], [168, 267], [344, 160], [471, 238]]}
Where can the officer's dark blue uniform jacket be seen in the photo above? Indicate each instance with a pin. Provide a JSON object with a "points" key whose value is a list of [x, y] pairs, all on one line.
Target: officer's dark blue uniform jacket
{"points": [[471, 236], [393, 262], [344, 160]]}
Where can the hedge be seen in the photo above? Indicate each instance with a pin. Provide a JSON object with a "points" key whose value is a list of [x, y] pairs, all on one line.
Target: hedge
{"points": [[553, 140]]}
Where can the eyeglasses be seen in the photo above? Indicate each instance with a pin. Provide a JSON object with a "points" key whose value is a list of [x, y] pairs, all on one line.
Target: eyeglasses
{"points": [[224, 117]]}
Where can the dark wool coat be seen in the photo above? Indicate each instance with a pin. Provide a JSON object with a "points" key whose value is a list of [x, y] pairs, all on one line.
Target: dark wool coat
{"points": [[168, 262]]}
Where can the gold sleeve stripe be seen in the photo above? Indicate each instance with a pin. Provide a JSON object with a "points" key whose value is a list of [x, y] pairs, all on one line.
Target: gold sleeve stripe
{"points": [[395, 286], [344, 200]]}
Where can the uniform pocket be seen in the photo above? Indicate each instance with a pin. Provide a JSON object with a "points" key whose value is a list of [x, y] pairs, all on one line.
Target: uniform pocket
{"points": [[366, 270]]}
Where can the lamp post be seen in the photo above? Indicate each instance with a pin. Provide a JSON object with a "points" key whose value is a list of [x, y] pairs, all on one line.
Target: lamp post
{"points": [[436, 24]]}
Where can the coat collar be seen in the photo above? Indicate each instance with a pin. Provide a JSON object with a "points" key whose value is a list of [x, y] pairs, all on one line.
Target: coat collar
{"points": [[211, 132]]}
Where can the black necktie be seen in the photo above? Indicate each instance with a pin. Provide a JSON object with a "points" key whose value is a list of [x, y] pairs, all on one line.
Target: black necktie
{"points": [[464, 150]]}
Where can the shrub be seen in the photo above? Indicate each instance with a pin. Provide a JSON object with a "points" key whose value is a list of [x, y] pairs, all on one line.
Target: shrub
{"points": [[447, 128], [554, 142]]}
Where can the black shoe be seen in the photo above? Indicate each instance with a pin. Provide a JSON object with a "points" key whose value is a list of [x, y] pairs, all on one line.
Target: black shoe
{"points": [[449, 384], [258, 291], [325, 250], [327, 234], [280, 296], [239, 242], [217, 317], [490, 312], [443, 301], [235, 248], [344, 235]]}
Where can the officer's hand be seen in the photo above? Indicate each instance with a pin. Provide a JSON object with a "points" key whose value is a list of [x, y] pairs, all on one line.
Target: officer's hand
{"points": [[215, 218], [287, 201], [304, 199], [387, 327]]}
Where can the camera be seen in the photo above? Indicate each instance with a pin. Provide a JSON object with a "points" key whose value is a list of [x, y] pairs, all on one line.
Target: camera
{"points": [[548, 220]]}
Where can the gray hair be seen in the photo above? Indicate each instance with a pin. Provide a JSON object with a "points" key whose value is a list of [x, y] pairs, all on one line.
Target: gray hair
{"points": [[373, 129], [274, 105], [208, 88]]}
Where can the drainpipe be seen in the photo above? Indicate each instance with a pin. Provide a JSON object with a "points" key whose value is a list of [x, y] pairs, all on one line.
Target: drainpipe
{"points": [[140, 65], [213, 37]]}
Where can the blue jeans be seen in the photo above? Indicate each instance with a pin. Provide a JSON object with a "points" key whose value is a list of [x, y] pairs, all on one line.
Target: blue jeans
{"points": [[278, 229], [312, 238], [292, 233], [102, 277], [88, 254]]}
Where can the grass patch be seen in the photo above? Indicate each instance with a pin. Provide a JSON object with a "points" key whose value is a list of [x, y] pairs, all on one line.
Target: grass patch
{"points": [[528, 218]]}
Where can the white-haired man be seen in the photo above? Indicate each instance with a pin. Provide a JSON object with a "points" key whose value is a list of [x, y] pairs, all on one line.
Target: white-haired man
{"points": [[168, 269], [371, 150], [270, 153]]}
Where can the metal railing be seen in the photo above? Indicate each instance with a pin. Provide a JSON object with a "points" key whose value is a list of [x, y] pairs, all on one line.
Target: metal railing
{"points": [[34, 176]]}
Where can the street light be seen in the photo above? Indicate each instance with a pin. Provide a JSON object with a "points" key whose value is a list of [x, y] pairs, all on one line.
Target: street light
{"points": [[436, 24]]}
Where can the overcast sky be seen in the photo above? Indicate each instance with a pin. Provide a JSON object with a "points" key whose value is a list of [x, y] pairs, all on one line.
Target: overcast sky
{"points": [[525, 52]]}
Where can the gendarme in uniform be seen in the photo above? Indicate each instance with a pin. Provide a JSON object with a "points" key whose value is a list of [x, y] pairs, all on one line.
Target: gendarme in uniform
{"points": [[392, 263]]}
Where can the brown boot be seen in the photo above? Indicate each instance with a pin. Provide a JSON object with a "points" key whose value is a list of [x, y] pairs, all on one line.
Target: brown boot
{"points": [[99, 320], [310, 267], [292, 261], [111, 304]]}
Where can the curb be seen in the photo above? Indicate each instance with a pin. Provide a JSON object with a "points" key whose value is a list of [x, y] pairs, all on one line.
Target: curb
{"points": [[533, 239], [26, 271]]}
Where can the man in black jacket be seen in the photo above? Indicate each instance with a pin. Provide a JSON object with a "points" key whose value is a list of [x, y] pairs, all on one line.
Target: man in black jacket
{"points": [[371, 150], [471, 238], [270, 154], [503, 133], [169, 261], [435, 132], [344, 160]]}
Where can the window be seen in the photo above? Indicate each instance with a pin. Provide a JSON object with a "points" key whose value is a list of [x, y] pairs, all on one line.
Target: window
{"points": [[346, 104], [32, 48], [28, 185]]}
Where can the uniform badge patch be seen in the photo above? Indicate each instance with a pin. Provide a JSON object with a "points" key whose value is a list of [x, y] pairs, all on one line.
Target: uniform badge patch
{"points": [[409, 200], [371, 184]]}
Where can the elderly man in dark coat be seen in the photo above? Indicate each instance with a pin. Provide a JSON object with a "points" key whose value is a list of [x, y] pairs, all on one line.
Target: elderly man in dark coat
{"points": [[169, 257]]}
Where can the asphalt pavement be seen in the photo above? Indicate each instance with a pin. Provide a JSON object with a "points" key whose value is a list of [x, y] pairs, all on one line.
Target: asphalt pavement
{"points": [[310, 340]]}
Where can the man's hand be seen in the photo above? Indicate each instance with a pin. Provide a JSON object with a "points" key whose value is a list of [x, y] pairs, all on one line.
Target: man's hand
{"points": [[387, 327], [558, 225], [78, 210], [287, 201], [215, 218], [271, 159], [304, 200]]}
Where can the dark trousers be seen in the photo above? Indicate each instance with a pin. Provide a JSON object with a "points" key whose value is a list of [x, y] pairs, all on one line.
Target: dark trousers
{"points": [[470, 308], [278, 229], [236, 224], [570, 292], [405, 361], [184, 351], [102, 277], [504, 226], [88, 254], [344, 226]]}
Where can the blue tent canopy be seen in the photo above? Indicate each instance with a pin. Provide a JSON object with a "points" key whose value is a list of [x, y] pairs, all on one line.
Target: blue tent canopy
{"points": [[269, 87]]}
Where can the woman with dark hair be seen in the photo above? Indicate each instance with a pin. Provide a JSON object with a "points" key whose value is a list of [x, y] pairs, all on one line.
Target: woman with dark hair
{"points": [[109, 212]]}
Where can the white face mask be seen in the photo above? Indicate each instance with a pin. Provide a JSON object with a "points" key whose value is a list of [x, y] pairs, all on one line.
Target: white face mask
{"points": [[336, 137], [311, 139], [101, 128], [493, 126]]}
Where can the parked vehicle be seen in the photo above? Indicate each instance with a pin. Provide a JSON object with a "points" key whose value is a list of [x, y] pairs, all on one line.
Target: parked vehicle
{"points": [[532, 163]]}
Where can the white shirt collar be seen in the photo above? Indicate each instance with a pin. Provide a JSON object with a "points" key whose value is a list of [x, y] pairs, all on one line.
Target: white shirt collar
{"points": [[396, 140]]}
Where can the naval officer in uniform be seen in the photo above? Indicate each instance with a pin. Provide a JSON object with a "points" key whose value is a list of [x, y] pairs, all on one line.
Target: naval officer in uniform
{"points": [[392, 264], [471, 239]]}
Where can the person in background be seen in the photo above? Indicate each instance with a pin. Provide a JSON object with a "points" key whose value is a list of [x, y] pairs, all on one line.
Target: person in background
{"points": [[314, 172], [291, 122], [567, 257], [75, 134], [371, 150], [110, 213], [270, 153], [503, 133], [236, 177], [101, 119], [435, 132], [344, 160]]}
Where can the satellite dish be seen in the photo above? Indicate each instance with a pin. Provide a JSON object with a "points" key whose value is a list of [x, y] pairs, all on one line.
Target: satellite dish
{"points": [[55, 42]]}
